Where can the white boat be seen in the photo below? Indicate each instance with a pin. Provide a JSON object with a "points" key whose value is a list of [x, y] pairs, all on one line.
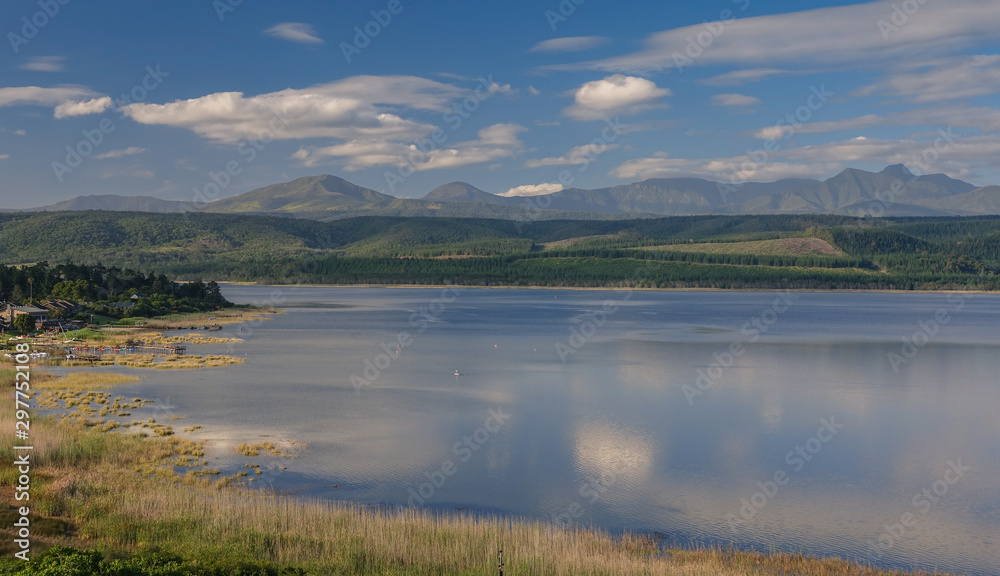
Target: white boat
{"points": [[457, 373]]}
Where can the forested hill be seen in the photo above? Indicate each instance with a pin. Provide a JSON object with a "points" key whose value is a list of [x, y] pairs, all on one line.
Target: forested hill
{"points": [[816, 251]]}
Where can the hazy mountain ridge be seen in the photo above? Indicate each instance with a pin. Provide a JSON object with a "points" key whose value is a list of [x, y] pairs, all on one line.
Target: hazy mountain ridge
{"points": [[115, 203], [893, 191]]}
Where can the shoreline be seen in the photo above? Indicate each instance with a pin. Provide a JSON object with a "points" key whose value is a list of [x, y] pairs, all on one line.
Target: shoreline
{"points": [[606, 289]]}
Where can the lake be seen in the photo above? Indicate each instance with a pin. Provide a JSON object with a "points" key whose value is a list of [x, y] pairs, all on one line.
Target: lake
{"points": [[863, 425]]}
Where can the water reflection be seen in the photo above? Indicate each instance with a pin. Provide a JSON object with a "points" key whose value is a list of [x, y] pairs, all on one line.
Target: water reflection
{"points": [[609, 437]]}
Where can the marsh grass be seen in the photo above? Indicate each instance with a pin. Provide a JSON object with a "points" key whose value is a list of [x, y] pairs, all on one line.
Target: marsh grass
{"points": [[251, 450], [223, 317], [80, 381], [189, 362], [122, 494]]}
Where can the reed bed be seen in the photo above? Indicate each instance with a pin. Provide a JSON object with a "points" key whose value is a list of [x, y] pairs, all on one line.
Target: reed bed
{"points": [[81, 381]]}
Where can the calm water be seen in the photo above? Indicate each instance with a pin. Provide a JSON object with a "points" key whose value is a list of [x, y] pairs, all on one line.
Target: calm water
{"points": [[803, 423]]}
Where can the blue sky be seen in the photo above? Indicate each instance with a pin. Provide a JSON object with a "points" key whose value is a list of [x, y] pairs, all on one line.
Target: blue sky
{"points": [[517, 97]]}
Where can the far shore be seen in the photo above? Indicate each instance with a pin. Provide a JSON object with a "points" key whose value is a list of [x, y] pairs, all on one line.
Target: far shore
{"points": [[605, 289]]}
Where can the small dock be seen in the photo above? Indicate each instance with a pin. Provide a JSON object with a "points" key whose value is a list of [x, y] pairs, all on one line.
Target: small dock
{"points": [[165, 350]]}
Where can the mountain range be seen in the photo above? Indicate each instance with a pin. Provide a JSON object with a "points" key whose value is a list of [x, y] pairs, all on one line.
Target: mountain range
{"points": [[894, 191]]}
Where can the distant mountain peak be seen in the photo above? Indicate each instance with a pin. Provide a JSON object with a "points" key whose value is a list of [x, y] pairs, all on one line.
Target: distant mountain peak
{"points": [[327, 196], [898, 171], [461, 192]]}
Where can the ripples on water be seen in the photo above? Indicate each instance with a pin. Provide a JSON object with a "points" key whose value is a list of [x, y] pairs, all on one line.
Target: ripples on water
{"points": [[609, 437]]}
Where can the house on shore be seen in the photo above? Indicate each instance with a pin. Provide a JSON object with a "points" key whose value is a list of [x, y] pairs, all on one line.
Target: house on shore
{"points": [[11, 311], [66, 308]]}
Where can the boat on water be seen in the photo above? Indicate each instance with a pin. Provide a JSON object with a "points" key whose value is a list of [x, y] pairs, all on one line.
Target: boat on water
{"points": [[457, 373]]}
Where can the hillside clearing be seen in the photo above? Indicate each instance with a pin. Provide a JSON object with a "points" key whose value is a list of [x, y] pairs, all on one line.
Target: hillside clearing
{"points": [[777, 247]]}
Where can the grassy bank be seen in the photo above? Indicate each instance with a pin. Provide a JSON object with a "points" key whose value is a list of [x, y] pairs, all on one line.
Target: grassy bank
{"points": [[127, 499]]}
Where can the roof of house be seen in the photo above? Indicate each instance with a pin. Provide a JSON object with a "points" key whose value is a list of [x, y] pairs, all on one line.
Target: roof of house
{"points": [[59, 303], [28, 309]]}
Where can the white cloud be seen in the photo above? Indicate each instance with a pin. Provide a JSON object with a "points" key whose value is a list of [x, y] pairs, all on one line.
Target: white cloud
{"points": [[962, 157], [958, 158], [532, 190], [348, 109], [659, 166], [295, 32], [108, 174], [131, 150], [94, 106], [780, 132], [37, 96], [738, 169], [4, 156], [943, 79], [44, 64], [741, 77], [578, 155], [534, 91], [570, 44], [734, 100], [840, 34], [617, 94], [981, 117], [20, 132], [495, 142]]}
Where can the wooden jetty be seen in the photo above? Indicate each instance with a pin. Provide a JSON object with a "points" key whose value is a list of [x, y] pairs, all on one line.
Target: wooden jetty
{"points": [[162, 350]]}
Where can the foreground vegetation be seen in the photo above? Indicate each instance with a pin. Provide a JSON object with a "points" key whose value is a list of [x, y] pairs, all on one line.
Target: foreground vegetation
{"points": [[116, 504], [731, 252]]}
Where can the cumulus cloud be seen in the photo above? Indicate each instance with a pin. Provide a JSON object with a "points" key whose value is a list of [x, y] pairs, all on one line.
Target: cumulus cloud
{"points": [[942, 79], [295, 32], [577, 155], [839, 34], [570, 44], [352, 109], [93, 106], [44, 64], [130, 151], [532, 190], [734, 100], [494, 142], [37, 96], [616, 94]]}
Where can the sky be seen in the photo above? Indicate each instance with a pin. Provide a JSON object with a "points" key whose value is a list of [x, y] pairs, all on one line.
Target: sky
{"points": [[203, 99]]}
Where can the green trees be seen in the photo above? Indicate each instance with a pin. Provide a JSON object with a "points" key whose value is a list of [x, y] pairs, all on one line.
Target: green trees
{"points": [[888, 252], [24, 323], [79, 290], [101, 287]]}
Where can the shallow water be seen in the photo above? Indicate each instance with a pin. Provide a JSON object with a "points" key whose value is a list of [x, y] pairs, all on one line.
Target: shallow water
{"points": [[672, 412]]}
